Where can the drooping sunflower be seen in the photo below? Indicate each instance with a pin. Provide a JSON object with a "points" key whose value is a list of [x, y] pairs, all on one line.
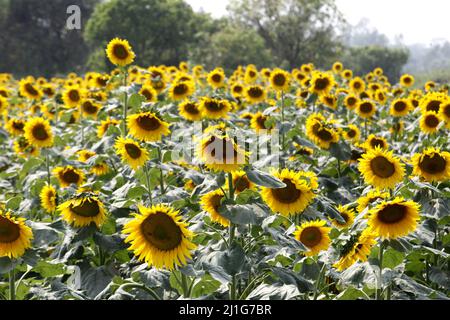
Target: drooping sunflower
{"points": [[429, 122], [374, 141], [216, 78], [90, 108], [400, 107], [358, 250], [210, 203], [214, 108], [279, 80], [24, 149], [99, 169], [352, 133], [381, 169], [357, 85], [69, 175], [119, 52], [314, 235], [293, 198], [348, 214], [48, 197], [255, 94], [369, 198], [321, 134], [29, 90], [181, 90], [104, 125], [329, 100], [149, 93], [73, 96], [131, 152], [241, 182], [394, 219], [432, 165], [190, 110], [321, 82], [83, 209], [407, 80], [147, 127], [258, 122], [15, 236], [366, 109], [444, 112], [38, 132], [221, 153], [15, 127], [160, 237]]}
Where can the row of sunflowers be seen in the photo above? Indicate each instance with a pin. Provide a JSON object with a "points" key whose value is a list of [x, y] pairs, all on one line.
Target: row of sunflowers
{"points": [[352, 202]]}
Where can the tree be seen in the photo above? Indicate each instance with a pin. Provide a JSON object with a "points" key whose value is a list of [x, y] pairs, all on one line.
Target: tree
{"points": [[296, 31], [159, 31], [34, 38]]}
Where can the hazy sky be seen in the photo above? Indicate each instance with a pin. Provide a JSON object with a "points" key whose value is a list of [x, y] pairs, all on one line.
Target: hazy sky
{"points": [[417, 20]]}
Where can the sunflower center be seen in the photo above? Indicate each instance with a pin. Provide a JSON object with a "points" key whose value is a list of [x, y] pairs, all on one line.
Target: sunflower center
{"points": [[70, 176], [261, 121], [133, 151], [89, 107], [39, 132], [30, 89], [351, 133], [213, 106], [357, 85], [161, 231], [89, 208], [18, 125], [377, 143], [324, 134], [382, 167], [237, 89], [9, 231], [74, 95], [431, 121], [366, 107], [433, 164], [400, 106], [216, 78], [447, 110], [180, 89], [120, 51], [288, 194], [241, 184], [224, 147], [434, 105], [148, 123], [279, 80], [311, 237], [255, 92], [321, 84], [392, 214], [191, 108], [351, 101], [147, 94]]}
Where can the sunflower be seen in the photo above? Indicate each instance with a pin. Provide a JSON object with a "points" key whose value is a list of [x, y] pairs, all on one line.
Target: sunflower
{"points": [[15, 127], [104, 125], [149, 93], [237, 90], [147, 127], [160, 237], [131, 152], [366, 109], [322, 135], [24, 149], [374, 141], [29, 90], [279, 80], [357, 85], [314, 235], [216, 78], [329, 100], [432, 102], [221, 153], [241, 182], [15, 236], [214, 108], [83, 209], [381, 169], [293, 198], [407, 80], [99, 169], [48, 197], [210, 203], [38, 132], [69, 175], [258, 122], [432, 165], [394, 219], [119, 52], [429, 122], [430, 86], [400, 107], [72, 96], [380, 96], [347, 74], [358, 250], [351, 101], [444, 112], [321, 83], [190, 110], [372, 196], [181, 90], [337, 67], [347, 214], [251, 75], [352, 133], [255, 94], [3, 103], [90, 108]]}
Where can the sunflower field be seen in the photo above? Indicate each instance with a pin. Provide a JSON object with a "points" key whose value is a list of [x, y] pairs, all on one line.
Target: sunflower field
{"points": [[175, 182]]}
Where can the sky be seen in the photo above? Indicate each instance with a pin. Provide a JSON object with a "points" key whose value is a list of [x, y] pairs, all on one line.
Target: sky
{"points": [[419, 21]]}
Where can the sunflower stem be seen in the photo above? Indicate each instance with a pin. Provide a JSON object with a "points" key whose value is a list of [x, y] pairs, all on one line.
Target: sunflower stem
{"points": [[47, 165], [365, 128], [161, 176], [339, 168], [12, 285], [380, 273], [82, 128], [283, 135], [125, 103], [184, 285], [147, 181], [318, 282]]}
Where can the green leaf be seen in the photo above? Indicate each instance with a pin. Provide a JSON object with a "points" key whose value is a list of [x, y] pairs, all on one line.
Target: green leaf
{"points": [[263, 179], [392, 258], [232, 260], [243, 214], [136, 192], [46, 269], [135, 101], [205, 286], [111, 243], [351, 293], [14, 203], [341, 151]]}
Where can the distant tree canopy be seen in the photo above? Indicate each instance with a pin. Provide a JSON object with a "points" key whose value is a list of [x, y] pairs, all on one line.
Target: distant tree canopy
{"points": [[34, 39]]}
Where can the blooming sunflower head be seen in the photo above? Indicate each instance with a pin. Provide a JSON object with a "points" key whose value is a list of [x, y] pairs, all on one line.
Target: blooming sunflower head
{"points": [[357, 85], [48, 197], [429, 122], [400, 107], [216, 78], [147, 126], [149, 93], [241, 182], [314, 235], [212, 108], [374, 141], [255, 94], [119, 52], [28, 89], [357, 249], [407, 80], [131, 152], [366, 109], [279, 80], [15, 127], [181, 90], [210, 203], [15, 236], [432, 165], [321, 82], [104, 125], [258, 122], [69, 175], [353, 133], [38, 132], [83, 209], [348, 214], [73, 96], [190, 110], [90, 108]]}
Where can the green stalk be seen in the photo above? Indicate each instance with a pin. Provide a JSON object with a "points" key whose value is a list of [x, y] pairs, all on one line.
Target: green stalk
{"points": [[12, 285], [161, 176], [232, 230], [318, 282], [184, 285], [380, 273], [283, 136], [47, 165], [125, 103], [147, 180]]}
